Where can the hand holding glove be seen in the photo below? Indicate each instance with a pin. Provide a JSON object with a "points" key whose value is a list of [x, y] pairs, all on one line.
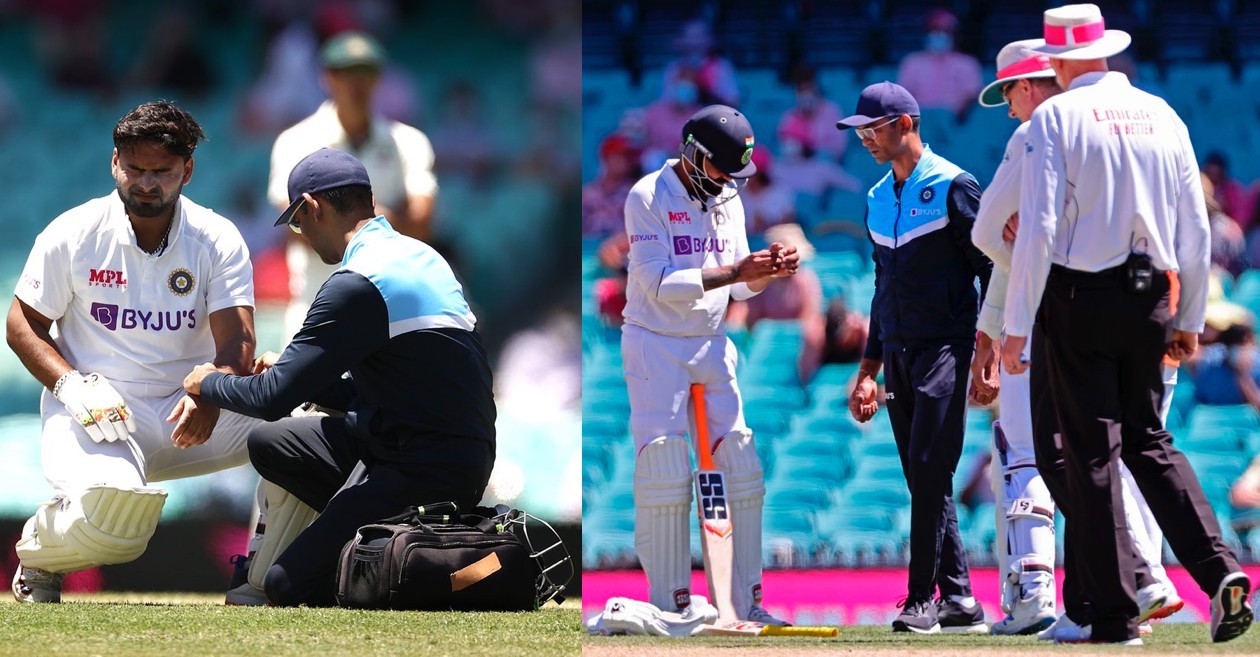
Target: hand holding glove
{"points": [[95, 405]]}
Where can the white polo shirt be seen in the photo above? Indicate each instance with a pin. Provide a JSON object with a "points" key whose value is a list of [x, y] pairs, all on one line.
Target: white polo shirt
{"points": [[1109, 170], [999, 201], [131, 316], [398, 157], [671, 240]]}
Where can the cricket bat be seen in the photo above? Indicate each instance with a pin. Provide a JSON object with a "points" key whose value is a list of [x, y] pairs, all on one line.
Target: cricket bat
{"points": [[750, 628], [716, 542]]}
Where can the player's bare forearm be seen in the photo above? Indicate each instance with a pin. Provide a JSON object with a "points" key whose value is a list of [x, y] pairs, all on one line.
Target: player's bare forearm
{"points": [[28, 334], [234, 340], [716, 277], [869, 368]]}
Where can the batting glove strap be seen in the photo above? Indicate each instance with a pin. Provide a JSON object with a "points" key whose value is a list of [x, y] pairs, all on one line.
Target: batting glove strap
{"points": [[95, 405]]}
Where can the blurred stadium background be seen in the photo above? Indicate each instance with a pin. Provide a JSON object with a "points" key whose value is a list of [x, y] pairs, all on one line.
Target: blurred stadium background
{"points": [[836, 497], [494, 84]]}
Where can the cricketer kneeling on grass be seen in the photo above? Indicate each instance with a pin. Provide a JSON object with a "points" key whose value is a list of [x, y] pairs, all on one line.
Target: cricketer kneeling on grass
{"points": [[688, 257]]}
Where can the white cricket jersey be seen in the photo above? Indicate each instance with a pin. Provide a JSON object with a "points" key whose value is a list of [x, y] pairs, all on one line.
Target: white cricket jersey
{"points": [[671, 241], [1108, 170], [131, 316], [999, 201]]}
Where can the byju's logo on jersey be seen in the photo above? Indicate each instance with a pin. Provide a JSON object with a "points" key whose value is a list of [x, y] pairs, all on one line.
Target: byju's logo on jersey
{"points": [[648, 237], [684, 245], [679, 218], [106, 278], [113, 318]]}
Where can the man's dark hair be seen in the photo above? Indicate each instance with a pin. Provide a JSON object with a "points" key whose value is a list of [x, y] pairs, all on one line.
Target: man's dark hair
{"points": [[349, 197], [159, 122]]}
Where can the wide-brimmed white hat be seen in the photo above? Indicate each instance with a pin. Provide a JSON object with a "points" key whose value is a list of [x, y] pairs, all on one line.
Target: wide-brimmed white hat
{"points": [[1016, 61], [1077, 32]]}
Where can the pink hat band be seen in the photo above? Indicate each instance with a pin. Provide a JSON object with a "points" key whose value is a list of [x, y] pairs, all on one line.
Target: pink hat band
{"points": [[1025, 66], [1063, 35]]}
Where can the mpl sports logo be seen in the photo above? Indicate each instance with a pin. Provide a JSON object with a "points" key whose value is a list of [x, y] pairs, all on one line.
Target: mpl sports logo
{"points": [[113, 318], [106, 278], [687, 245], [679, 218]]}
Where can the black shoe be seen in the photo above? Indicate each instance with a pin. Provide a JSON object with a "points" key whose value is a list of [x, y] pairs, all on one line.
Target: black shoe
{"points": [[954, 617], [918, 617], [240, 570]]}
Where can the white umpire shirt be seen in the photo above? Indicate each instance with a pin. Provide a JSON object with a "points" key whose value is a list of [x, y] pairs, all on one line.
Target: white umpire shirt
{"points": [[999, 201], [1109, 170], [671, 241], [131, 316]]}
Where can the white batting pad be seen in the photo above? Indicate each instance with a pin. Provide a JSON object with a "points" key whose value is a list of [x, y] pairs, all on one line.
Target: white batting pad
{"points": [[1145, 532], [662, 528], [286, 517], [746, 491], [97, 526], [1029, 534], [627, 616]]}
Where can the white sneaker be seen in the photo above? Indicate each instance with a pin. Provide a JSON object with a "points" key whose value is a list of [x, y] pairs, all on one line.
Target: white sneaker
{"points": [[1157, 601], [1067, 631], [35, 585], [1048, 633], [758, 614], [1145, 629], [1029, 615], [1231, 610], [246, 595]]}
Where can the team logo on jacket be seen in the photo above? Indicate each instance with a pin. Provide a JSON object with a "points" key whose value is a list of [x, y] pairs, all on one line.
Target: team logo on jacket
{"points": [[927, 195], [181, 282], [685, 245]]}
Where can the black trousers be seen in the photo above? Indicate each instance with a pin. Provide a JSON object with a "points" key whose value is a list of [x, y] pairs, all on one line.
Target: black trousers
{"points": [[1048, 449], [926, 402], [1104, 347], [317, 461]]}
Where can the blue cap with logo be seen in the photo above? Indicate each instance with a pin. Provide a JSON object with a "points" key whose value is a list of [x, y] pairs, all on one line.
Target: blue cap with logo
{"points": [[325, 169], [880, 100]]}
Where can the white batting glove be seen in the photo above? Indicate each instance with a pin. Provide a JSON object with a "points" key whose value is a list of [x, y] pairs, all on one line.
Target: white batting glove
{"points": [[95, 405]]}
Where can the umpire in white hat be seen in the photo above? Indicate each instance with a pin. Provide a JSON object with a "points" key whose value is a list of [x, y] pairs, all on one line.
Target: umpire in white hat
{"points": [[1112, 250]]}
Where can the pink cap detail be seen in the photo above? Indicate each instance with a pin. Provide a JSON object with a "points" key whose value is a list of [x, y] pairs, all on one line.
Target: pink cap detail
{"points": [[1024, 66], [1061, 35]]}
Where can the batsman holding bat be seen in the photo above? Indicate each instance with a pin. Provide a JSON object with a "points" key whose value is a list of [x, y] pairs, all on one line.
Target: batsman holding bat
{"points": [[688, 257]]}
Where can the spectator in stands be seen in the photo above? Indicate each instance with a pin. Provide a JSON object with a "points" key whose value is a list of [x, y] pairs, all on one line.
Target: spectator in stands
{"points": [[1227, 371], [1123, 63], [399, 158], [939, 76], [71, 39], [461, 141], [171, 59], [846, 332], [802, 170], [766, 202], [1235, 199], [796, 297], [610, 291], [288, 87], [1229, 246], [664, 118], [814, 115], [604, 198], [699, 64]]}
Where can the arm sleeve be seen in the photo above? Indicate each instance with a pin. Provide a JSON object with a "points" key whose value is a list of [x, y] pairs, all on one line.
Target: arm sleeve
{"points": [[347, 321], [874, 345], [1192, 242], [416, 153], [232, 278], [1040, 193], [999, 202], [45, 284], [991, 309], [963, 201], [650, 266]]}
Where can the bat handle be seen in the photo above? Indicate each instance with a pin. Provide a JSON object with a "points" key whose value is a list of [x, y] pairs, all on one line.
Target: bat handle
{"points": [[702, 425]]}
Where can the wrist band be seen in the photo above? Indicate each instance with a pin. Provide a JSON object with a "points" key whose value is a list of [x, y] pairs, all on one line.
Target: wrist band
{"points": [[57, 386]]}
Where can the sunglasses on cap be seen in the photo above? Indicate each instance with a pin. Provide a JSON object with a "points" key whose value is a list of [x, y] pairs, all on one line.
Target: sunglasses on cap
{"points": [[294, 224]]}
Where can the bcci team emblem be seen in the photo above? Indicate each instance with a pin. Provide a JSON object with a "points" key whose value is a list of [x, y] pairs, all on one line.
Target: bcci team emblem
{"points": [[926, 195], [181, 282]]}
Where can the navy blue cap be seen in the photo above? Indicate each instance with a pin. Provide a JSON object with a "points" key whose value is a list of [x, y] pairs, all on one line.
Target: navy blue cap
{"points": [[880, 100], [325, 169], [727, 136]]}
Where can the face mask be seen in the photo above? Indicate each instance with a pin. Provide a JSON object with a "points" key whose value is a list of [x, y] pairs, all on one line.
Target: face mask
{"points": [[685, 93], [806, 101], [939, 41]]}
